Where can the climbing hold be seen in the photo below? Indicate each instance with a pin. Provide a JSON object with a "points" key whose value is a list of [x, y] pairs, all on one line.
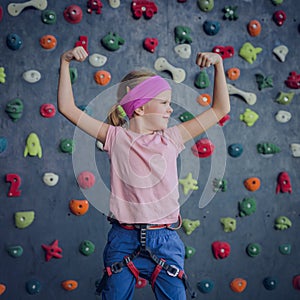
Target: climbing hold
{"points": [[24, 218], [112, 41], [86, 180], [224, 51], [73, 14], [224, 120], [102, 77], [182, 35], [33, 146], [205, 286], [94, 5], [252, 184], [52, 251], [238, 285], [279, 17], [247, 207], [285, 249], [283, 116], [83, 42], [1, 16], [296, 282], [249, 52], [67, 146], [48, 42], [230, 13], [86, 247], [32, 76], [281, 52], [73, 74], [189, 226], [254, 28], [263, 82], [69, 285], [15, 251], [141, 282], [282, 223], [33, 287], [14, 109], [250, 98], [13, 41], [189, 251], [203, 148], [2, 288], [202, 80], [100, 145], [14, 9], [277, 2], [253, 249], [293, 81], [283, 183], [186, 116], [143, 7], [150, 44], [205, 5], [285, 98], [220, 249], [188, 184], [97, 60], [178, 74], [2, 75], [114, 3], [47, 110], [220, 185], [3, 144], [229, 224], [294, 147], [211, 27], [233, 73], [249, 117], [49, 17], [183, 50], [267, 149], [15, 181], [204, 99], [235, 150], [79, 207], [50, 179]]}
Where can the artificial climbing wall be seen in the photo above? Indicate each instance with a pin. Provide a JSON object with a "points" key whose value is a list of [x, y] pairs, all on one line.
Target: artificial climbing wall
{"points": [[242, 241]]}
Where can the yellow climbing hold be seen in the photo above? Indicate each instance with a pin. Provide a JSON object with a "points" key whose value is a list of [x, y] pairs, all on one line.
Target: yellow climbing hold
{"points": [[33, 146], [188, 184]]}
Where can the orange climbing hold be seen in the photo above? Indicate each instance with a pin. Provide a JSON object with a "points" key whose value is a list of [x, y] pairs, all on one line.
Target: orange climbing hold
{"points": [[102, 77], [48, 42], [69, 285], [233, 73], [252, 184], [2, 288], [204, 99], [79, 207], [254, 28], [238, 285]]}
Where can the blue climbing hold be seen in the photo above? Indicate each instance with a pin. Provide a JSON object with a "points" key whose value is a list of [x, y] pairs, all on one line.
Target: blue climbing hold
{"points": [[205, 286], [235, 150], [3, 144], [33, 287]]}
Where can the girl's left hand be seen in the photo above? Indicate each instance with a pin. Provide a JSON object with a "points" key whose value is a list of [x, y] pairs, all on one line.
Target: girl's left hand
{"points": [[207, 59]]}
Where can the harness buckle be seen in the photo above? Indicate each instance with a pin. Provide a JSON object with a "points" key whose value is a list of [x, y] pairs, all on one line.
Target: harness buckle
{"points": [[173, 271], [116, 267]]}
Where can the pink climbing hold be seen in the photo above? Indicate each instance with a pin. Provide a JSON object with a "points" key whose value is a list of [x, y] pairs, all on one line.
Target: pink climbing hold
{"points": [[52, 250], [284, 183], [15, 181], [86, 179], [220, 249], [203, 148]]}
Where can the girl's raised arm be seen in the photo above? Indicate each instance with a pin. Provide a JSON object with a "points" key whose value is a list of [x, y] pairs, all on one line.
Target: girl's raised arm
{"points": [[221, 104], [65, 98]]}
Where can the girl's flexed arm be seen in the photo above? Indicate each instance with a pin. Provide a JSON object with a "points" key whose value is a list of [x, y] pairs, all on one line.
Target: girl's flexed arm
{"points": [[65, 98], [221, 104]]}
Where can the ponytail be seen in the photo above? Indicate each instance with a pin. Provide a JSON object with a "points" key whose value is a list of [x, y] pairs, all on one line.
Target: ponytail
{"points": [[116, 117]]}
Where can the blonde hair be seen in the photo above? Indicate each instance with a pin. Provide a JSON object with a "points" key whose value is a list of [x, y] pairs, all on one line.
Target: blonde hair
{"points": [[130, 81]]}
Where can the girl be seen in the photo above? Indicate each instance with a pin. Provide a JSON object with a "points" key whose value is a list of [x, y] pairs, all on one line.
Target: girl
{"points": [[142, 243]]}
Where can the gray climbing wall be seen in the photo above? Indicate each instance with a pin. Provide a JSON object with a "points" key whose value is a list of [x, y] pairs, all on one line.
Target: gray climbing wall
{"points": [[53, 219]]}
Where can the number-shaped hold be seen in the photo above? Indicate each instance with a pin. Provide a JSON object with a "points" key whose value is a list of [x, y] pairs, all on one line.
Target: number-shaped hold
{"points": [[15, 181]]}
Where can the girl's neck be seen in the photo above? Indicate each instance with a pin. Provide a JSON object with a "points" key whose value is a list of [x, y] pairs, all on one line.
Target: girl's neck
{"points": [[137, 125]]}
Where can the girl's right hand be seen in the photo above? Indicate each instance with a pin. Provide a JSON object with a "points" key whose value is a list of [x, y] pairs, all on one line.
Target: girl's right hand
{"points": [[77, 53]]}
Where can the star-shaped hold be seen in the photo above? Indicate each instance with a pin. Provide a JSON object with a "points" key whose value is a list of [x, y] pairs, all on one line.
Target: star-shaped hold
{"points": [[52, 250], [189, 184]]}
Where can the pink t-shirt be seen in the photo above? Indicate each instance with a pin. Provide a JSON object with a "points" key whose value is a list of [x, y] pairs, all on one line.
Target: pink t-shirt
{"points": [[144, 180]]}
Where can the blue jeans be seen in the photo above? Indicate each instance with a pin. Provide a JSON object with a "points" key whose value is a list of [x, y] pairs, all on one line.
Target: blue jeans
{"points": [[164, 243]]}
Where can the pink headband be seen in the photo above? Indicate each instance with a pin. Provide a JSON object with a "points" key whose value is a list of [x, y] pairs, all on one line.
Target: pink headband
{"points": [[143, 93]]}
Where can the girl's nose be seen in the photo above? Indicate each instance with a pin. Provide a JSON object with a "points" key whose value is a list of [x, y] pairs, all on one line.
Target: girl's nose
{"points": [[170, 109]]}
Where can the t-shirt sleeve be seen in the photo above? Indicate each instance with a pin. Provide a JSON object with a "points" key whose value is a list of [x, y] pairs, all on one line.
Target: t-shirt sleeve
{"points": [[110, 137], [174, 134]]}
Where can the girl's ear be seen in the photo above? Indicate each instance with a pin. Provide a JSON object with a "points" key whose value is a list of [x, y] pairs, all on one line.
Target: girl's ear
{"points": [[140, 111], [127, 89]]}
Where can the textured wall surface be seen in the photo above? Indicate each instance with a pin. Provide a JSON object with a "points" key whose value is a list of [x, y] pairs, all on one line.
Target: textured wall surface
{"points": [[53, 218]]}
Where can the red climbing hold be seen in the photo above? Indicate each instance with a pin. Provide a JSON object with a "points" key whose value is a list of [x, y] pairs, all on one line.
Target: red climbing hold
{"points": [[220, 249], [293, 81], [296, 282], [283, 183], [203, 148], [150, 44], [94, 5], [83, 41], [143, 7], [224, 120], [15, 181], [224, 51], [52, 250]]}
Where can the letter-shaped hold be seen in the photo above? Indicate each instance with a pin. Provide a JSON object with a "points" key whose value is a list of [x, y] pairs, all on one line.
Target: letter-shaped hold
{"points": [[15, 181]]}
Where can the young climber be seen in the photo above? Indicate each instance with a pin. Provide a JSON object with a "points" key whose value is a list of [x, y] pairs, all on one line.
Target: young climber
{"points": [[144, 208]]}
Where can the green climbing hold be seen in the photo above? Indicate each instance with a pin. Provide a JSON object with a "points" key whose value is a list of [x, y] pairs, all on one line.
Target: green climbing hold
{"points": [[186, 116], [249, 52], [2, 75], [249, 117], [220, 185], [267, 148], [202, 80], [15, 251], [247, 207], [189, 251], [182, 35], [270, 283], [86, 247], [263, 82], [33, 146], [205, 5], [67, 146], [112, 41], [189, 226], [73, 74], [24, 218], [282, 223], [230, 13], [49, 17], [285, 249], [285, 98], [188, 184], [277, 2], [253, 249], [14, 109], [229, 224]]}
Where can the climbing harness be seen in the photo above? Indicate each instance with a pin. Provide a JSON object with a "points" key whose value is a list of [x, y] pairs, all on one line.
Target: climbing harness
{"points": [[143, 251]]}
